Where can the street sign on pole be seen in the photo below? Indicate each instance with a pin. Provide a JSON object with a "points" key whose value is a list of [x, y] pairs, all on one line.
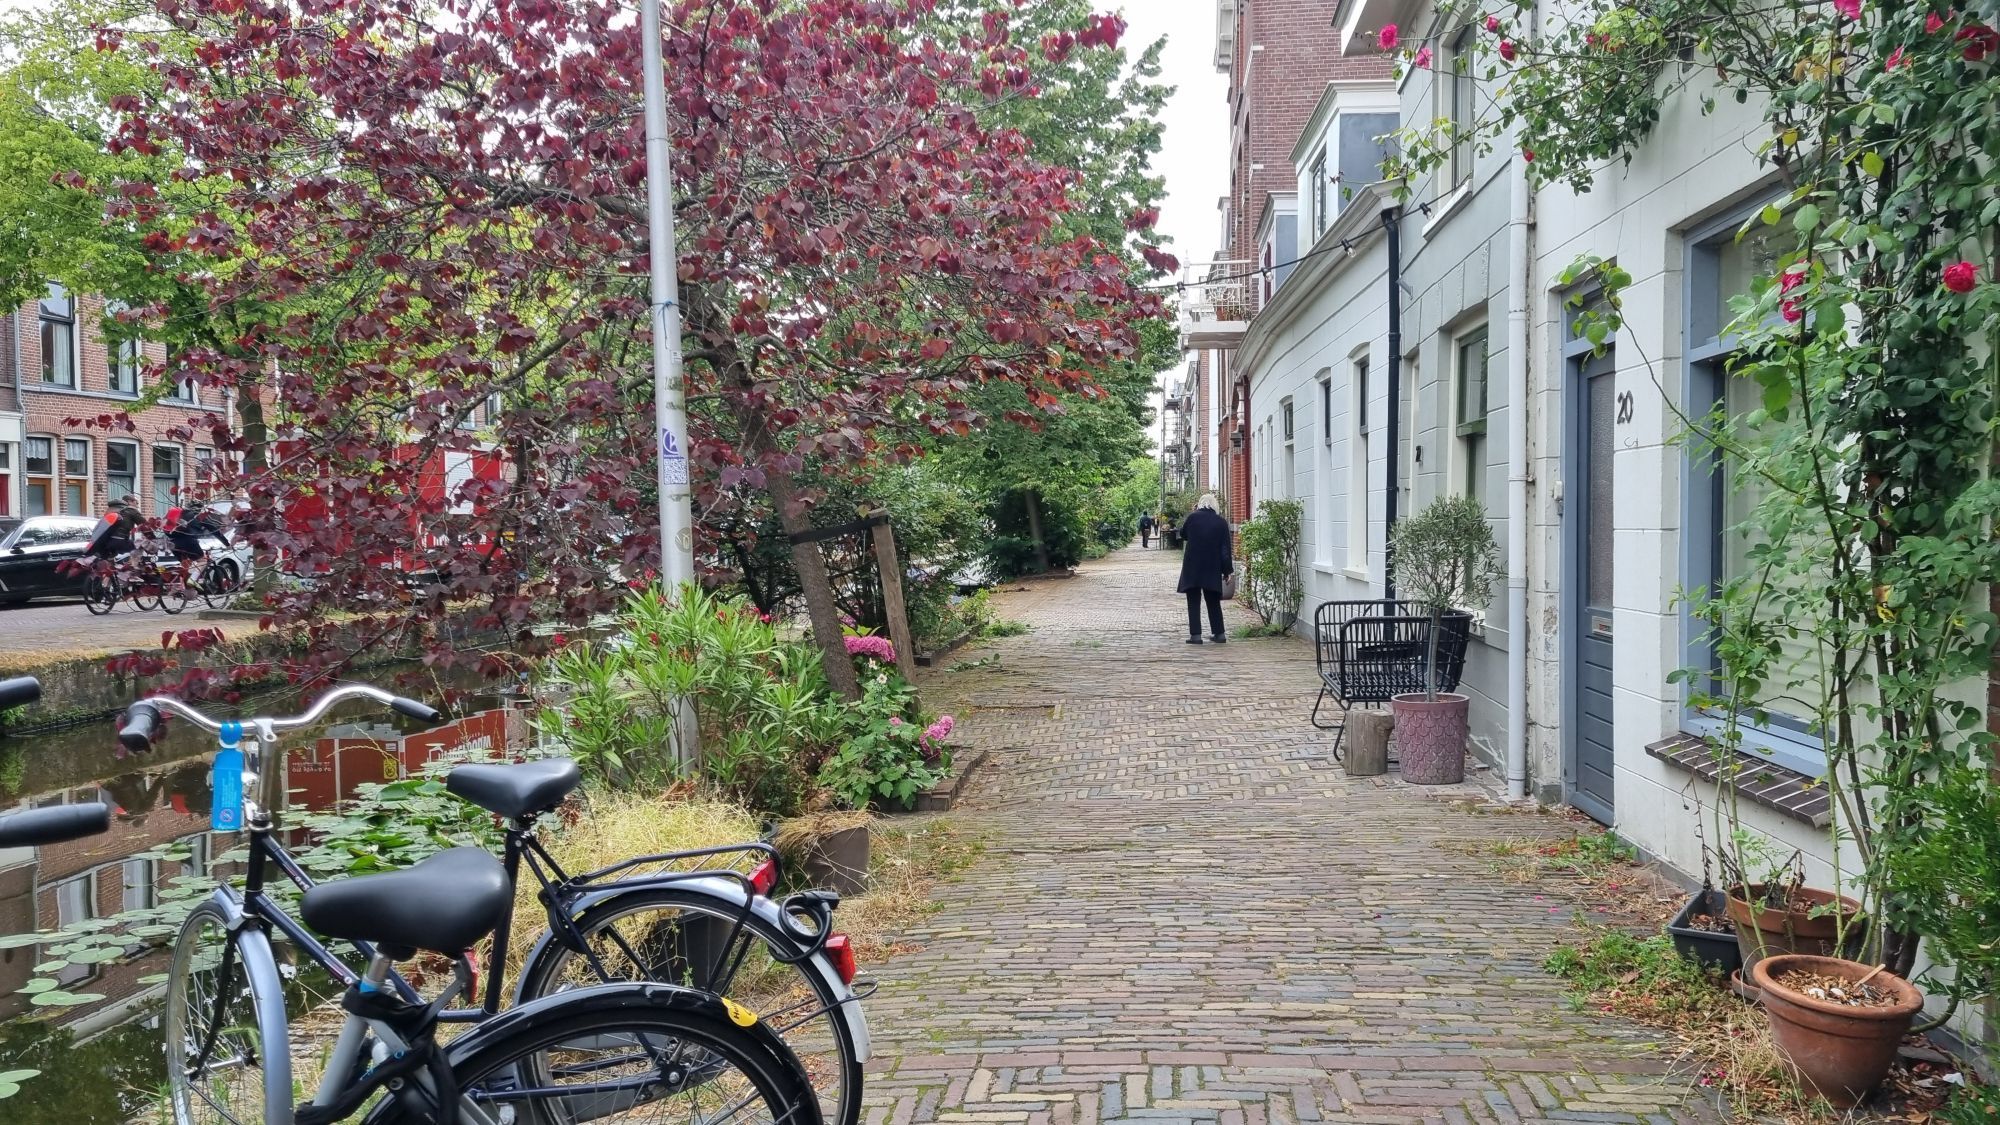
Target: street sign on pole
{"points": [[669, 404]]}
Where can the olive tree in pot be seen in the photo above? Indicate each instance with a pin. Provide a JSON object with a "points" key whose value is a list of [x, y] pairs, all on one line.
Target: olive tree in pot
{"points": [[1446, 559]]}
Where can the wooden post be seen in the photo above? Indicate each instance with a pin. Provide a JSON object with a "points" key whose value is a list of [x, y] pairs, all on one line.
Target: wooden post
{"points": [[1367, 743], [891, 574]]}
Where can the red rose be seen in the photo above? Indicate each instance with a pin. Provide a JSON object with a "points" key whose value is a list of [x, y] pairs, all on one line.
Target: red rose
{"points": [[1789, 309], [1386, 38], [1934, 24], [1492, 23], [1980, 41], [1528, 155], [1960, 277], [1507, 49], [1895, 59], [1790, 279]]}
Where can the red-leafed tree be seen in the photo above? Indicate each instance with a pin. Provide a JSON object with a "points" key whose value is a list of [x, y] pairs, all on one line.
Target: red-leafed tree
{"points": [[438, 209]]}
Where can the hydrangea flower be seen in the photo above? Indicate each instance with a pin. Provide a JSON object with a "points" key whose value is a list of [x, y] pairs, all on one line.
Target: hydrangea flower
{"points": [[875, 648], [940, 730]]}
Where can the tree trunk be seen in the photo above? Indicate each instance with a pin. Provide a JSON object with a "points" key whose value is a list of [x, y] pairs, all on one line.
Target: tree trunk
{"points": [[256, 434], [815, 585], [1035, 529], [1431, 659]]}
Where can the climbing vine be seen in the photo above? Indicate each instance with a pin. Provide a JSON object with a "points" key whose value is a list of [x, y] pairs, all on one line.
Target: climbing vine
{"points": [[1860, 440]]}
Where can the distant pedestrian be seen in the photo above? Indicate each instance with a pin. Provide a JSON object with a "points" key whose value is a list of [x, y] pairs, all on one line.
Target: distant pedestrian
{"points": [[1146, 530], [1204, 562]]}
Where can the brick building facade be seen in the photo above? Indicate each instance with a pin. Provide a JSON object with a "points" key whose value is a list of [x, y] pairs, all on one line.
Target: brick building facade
{"points": [[56, 374], [1280, 56]]}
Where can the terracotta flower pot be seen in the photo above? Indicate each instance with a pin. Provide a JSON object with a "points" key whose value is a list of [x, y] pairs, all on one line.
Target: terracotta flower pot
{"points": [[1840, 1053], [1430, 737], [1793, 930]]}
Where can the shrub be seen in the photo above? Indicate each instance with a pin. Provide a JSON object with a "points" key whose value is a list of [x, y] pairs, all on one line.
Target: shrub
{"points": [[1271, 569], [892, 754]]}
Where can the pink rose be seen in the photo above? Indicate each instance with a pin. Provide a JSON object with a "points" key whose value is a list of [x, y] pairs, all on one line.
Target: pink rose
{"points": [[1934, 24], [1790, 279], [1960, 277], [1849, 9], [1423, 59], [1528, 155], [1789, 309], [1895, 59], [1980, 41], [1492, 23], [1386, 38], [1507, 49]]}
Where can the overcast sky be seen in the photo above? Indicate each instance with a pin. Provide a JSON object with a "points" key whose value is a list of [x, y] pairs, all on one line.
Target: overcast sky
{"points": [[1195, 154]]}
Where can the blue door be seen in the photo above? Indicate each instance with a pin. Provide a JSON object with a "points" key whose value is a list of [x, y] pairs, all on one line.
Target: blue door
{"points": [[1590, 743]]}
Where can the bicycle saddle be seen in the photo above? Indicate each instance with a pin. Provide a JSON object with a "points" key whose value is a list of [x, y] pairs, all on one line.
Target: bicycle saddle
{"points": [[445, 903], [515, 789]]}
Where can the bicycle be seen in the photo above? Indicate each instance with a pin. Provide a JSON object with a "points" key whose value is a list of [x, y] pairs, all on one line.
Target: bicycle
{"points": [[217, 1023], [106, 586]]}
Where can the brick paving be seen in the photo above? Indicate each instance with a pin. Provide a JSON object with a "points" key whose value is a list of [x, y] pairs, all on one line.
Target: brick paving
{"points": [[1185, 914]]}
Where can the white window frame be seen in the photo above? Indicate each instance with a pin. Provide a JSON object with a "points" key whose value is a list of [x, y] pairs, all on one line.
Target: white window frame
{"points": [[137, 475], [53, 504], [154, 476], [1323, 473], [1359, 469], [88, 478], [1470, 435]]}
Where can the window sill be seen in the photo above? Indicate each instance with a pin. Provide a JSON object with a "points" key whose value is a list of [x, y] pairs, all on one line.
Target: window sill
{"points": [[1787, 792], [1358, 573], [1443, 208]]}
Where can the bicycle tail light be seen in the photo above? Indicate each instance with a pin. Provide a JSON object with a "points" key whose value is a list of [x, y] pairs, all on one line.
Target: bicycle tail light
{"points": [[764, 876], [840, 951]]}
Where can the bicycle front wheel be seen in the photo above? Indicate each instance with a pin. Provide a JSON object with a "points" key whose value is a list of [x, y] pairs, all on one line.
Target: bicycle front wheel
{"points": [[220, 581], [676, 935], [228, 1056]]}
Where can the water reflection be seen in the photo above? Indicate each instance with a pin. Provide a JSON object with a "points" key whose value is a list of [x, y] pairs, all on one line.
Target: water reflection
{"points": [[162, 808]]}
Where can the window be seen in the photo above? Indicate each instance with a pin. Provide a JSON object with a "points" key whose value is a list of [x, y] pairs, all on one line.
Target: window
{"points": [[183, 387], [1317, 176], [6, 478], [1325, 409], [75, 900], [1323, 476], [204, 466], [1456, 77], [122, 357], [76, 476], [1285, 413], [1270, 261], [1358, 471], [1288, 472], [38, 465], [121, 469], [1720, 500], [138, 874], [58, 317], [1472, 413], [166, 477]]}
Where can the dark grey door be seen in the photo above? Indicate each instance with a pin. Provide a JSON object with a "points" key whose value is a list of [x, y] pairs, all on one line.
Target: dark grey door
{"points": [[1590, 742]]}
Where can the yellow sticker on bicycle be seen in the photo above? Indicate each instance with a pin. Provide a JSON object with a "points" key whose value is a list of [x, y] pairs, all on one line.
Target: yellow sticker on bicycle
{"points": [[738, 1014]]}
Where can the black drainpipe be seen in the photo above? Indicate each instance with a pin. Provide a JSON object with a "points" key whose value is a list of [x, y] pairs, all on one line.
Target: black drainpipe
{"points": [[1392, 226]]}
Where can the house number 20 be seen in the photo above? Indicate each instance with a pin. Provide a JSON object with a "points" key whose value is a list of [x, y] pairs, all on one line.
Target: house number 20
{"points": [[1625, 407]]}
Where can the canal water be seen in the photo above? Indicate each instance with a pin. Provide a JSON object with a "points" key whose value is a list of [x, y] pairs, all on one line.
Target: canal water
{"points": [[101, 1062]]}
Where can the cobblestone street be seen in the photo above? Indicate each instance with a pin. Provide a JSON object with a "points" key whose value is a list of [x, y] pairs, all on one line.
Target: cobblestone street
{"points": [[1184, 912]]}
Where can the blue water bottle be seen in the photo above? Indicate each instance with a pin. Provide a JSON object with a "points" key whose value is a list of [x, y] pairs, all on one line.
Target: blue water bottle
{"points": [[226, 811]]}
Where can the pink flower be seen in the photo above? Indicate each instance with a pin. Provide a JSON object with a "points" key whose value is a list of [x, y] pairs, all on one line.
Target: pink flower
{"points": [[1980, 41], [895, 721], [1386, 38], [1528, 155], [1507, 49], [558, 640], [1790, 310], [1423, 59], [940, 730], [875, 648], [1934, 24], [1895, 59], [1790, 279], [1492, 23], [1960, 277], [1849, 9]]}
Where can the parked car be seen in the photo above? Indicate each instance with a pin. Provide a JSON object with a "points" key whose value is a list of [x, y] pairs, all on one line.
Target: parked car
{"points": [[32, 554]]}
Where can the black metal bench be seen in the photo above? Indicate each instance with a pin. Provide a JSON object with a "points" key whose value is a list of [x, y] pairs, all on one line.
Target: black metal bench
{"points": [[1369, 650]]}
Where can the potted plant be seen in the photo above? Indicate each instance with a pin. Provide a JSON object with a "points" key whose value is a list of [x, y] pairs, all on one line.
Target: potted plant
{"points": [[1774, 912], [1702, 931], [1837, 1022], [1446, 559], [832, 848]]}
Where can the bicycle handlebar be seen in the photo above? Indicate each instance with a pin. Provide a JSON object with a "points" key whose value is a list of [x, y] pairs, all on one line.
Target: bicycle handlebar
{"points": [[53, 825], [142, 719], [19, 690]]}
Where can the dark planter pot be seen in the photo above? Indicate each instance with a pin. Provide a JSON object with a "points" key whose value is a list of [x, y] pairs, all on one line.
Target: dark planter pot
{"points": [[1840, 1053], [838, 861], [1430, 738], [1795, 930], [1712, 950]]}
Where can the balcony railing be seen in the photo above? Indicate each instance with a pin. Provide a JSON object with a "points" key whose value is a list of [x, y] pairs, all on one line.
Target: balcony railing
{"points": [[1217, 300]]}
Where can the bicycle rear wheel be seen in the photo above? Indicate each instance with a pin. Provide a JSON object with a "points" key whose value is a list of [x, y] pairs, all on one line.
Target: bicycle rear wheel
{"points": [[100, 594], [220, 581], [630, 1061], [676, 935], [146, 591], [228, 1056], [174, 592]]}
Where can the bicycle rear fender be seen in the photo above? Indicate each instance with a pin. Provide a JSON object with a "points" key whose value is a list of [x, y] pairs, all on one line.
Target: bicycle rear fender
{"points": [[730, 893]]}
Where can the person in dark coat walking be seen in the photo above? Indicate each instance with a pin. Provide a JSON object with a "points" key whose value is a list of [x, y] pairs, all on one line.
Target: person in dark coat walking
{"points": [[1205, 559], [1146, 530]]}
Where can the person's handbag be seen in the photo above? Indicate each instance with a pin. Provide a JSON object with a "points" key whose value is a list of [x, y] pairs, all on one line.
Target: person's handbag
{"points": [[1229, 586]]}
